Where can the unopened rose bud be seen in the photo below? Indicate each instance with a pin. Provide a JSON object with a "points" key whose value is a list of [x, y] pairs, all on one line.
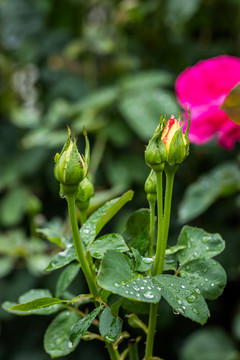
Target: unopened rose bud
{"points": [[151, 186], [84, 194], [156, 153], [175, 141], [70, 167]]}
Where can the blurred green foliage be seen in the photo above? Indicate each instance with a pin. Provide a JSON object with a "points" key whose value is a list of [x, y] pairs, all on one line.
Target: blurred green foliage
{"points": [[109, 66]]}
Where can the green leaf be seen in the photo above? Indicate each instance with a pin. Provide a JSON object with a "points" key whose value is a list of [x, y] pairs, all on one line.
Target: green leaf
{"points": [[99, 99], [231, 104], [6, 265], [207, 275], [117, 274], [107, 242], [13, 206], [170, 262], [36, 304], [182, 297], [62, 258], [82, 325], [31, 296], [223, 180], [135, 322], [137, 230], [209, 344], [142, 109], [101, 217], [110, 326], [173, 249], [146, 80], [53, 233], [57, 336], [178, 13], [66, 277], [142, 264], [199, 244], [136, 307], [121, 169]]}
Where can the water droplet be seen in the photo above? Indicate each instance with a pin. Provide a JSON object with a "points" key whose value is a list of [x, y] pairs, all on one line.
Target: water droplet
{"points": [[183, 286], [142, 287], [136, 287], [137, 295], [148, 295], [179, 302], [175, 312], [191, 298], [145, 281], [187, 267], [131, 292], [212, 284], [184, 308], [198, 291], [126, 292], [127, 285], [116, 284], [134, 282], [196, 253], [171, 285], [158, 288], [206, 280], [195, 311], [149, 287], [70, 344], [205, 239]]}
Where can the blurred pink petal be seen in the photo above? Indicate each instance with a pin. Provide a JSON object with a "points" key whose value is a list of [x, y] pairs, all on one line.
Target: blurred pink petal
{"points": [[229, 134], [203, 88]]}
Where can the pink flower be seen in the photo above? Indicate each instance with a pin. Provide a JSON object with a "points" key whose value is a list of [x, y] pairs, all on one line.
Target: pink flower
{"points": [[203, 88]]}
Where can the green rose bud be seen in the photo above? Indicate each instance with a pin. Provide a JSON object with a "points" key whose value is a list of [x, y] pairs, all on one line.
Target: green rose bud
{"points": [[151, 186], [84, 194], [70, 167], [156, 153]]}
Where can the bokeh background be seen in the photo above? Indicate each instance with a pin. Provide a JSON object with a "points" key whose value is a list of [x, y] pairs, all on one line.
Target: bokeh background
{"points": [[110, 66]]}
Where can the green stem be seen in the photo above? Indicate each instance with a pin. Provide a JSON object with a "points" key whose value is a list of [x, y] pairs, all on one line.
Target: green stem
{"points": [[133, 350], [154, 307], [160, 221], [151, 330], [114, 355], [78, 245], [152, 226], [170, 173], [83, 216]]}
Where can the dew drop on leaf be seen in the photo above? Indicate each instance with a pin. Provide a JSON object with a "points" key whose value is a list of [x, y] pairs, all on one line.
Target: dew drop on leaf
{"points": [[195, 311], [191, 298], [148, 295]]}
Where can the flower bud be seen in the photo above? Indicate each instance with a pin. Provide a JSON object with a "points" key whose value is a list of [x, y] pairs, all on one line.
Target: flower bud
{"points": [[70, 167], [175, 141], [151, 186], [84, 194], [156, 153]]}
